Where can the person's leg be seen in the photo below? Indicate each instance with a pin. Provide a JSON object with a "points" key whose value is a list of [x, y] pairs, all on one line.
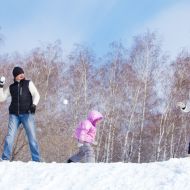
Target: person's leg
{"points": [[28, 122], [69, 161], [12, 129], [77, 157], [89, 153], [189, 149]]}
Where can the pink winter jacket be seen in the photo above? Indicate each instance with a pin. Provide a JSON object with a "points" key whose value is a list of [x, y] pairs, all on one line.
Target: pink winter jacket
{"points": [[86, 130]]}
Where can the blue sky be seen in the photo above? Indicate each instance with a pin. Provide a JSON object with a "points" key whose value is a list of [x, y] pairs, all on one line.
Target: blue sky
{"points": [[96, 23]]}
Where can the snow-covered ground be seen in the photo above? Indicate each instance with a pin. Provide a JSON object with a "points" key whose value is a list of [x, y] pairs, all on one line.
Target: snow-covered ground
{"points": [[169, 175]]}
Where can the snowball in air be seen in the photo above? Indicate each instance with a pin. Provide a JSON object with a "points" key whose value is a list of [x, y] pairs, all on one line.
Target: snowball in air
{"points": [[65, 101]]}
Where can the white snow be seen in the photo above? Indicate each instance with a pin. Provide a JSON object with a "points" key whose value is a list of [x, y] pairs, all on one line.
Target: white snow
{"points": [[168, 175]]}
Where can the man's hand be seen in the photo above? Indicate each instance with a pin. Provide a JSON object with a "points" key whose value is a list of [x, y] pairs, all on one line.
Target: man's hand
{"points": [[2, 81], [33, 109], [181, 105]]}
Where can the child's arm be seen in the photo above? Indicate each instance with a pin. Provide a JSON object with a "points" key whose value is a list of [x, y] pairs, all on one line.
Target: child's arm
{"points": [[84, 129]]}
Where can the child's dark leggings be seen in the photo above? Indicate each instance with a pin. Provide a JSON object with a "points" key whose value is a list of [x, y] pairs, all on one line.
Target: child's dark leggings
{"points": [[85, 152], [189, 149]]}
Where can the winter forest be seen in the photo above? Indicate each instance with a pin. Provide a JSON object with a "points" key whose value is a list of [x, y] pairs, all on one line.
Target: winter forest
{"points": [[136, 90]]}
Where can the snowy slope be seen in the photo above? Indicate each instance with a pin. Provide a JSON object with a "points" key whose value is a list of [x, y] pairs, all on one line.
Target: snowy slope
{"points": [[169, 175]]}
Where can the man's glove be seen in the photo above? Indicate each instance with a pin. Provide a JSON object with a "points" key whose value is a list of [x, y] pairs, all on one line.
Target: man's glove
{"points": [[181, 105], [33, 108], [2, 81]]}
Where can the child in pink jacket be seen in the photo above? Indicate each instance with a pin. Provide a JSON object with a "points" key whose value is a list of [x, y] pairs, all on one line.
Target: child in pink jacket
{"points": [[85, 134]]}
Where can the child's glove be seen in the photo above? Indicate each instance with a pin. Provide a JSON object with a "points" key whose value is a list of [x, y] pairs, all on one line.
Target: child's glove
{"points": [[79, 144], [95, 143], [181, 105], [2, 81]]}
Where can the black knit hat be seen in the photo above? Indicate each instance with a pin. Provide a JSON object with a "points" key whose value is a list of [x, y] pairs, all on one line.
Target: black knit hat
{"points": [[17, 71]]}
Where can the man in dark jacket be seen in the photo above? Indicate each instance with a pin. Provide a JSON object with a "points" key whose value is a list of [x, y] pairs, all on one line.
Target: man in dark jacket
{"points": [[25, 98]]}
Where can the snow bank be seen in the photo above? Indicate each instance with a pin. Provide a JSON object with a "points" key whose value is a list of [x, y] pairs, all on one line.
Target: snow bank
{"points": [[169, 175]]}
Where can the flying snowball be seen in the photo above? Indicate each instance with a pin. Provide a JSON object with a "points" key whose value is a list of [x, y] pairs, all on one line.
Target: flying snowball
{"points": [[65, 101]]}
